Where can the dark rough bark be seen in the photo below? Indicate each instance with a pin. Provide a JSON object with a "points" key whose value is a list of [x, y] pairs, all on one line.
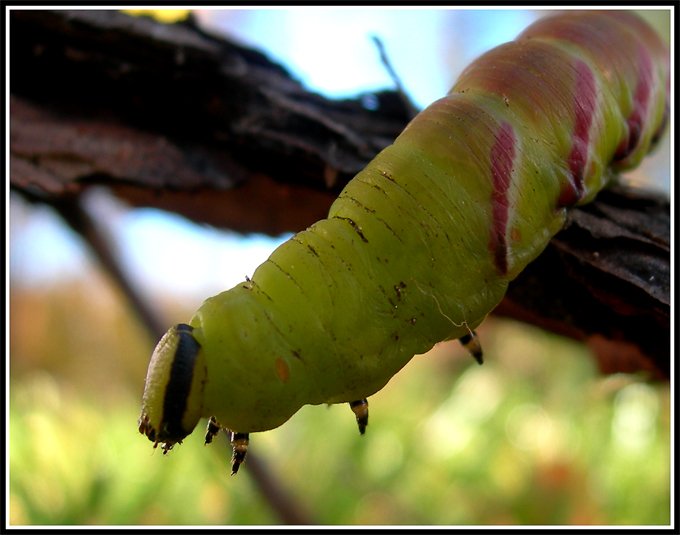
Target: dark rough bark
{"points": [[154, 110], [605, 279], [170, 117]]}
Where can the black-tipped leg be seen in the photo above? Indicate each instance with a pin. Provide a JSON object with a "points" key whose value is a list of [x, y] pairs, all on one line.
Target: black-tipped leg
{"points": [[212, 430], [239, 443], [471, 343], [360, 409]]}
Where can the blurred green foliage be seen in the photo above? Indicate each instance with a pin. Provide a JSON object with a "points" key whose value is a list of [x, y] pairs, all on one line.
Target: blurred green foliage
{"points": [[534, 436]]}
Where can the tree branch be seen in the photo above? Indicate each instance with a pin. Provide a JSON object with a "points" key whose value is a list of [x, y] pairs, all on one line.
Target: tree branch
{"points": [[605, 279], [171, 117]]}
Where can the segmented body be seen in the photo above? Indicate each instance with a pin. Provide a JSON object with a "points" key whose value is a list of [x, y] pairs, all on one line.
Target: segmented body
{"points": [[421, 245]]}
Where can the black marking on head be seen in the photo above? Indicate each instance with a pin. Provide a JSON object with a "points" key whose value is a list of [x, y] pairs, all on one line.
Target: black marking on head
{"points": [[179, 385]]}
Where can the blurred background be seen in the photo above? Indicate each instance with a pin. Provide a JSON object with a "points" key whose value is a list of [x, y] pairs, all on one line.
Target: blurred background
{"points": [[534, 436]]}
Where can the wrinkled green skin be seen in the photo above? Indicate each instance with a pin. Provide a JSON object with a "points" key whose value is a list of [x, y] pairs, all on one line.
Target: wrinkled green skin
{"points": [[339, 308]]}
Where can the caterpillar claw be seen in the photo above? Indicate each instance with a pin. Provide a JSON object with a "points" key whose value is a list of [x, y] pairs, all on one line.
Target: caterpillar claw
{"points": [[239, 443], [146, 428], [360, 409], [212, 430]]}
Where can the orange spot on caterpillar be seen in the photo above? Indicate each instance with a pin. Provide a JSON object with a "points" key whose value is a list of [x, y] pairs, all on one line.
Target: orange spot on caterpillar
{"points": [[282, 370], [515, 234]]}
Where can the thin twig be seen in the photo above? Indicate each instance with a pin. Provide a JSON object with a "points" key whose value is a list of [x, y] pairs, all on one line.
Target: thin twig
{"points": [[411, 108], [81, 221], [280, 500], [78, 218]]}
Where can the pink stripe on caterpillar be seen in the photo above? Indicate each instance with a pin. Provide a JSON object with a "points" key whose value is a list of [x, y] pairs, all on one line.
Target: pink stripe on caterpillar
{"points": [[584, 110], [635, 120], [502, 158]]}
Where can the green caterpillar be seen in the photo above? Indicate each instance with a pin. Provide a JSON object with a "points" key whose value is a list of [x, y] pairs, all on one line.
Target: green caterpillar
{"points": [[420, 246]]}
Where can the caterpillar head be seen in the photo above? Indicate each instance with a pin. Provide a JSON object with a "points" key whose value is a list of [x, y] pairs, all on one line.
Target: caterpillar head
{"points": [[173, 392]]}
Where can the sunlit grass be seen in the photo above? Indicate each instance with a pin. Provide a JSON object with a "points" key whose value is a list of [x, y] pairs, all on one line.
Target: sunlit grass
{"points": [[534, 436], [75, 461]]}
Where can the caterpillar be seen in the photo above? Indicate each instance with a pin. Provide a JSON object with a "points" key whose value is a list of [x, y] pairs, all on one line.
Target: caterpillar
{"points": [[421, 244]]}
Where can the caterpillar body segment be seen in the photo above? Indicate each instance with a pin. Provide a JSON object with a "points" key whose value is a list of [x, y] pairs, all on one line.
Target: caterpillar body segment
{"points": [[420, 246]]}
